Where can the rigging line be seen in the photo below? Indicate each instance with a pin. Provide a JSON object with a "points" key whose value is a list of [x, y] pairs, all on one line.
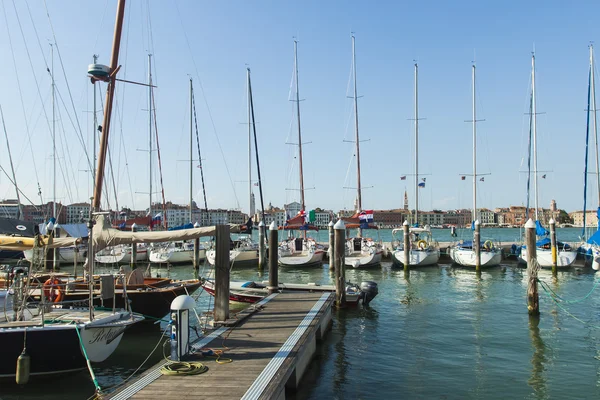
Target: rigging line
{"points": [[62, 164], [162, 187], [199, 155], [207, 107], [20, 191], [37, 178], [62, 66], [12, 167], [262, 204], [101, 23]]}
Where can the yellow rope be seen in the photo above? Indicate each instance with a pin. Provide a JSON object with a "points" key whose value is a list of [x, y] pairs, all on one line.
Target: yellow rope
{"points": [[183, 368]]}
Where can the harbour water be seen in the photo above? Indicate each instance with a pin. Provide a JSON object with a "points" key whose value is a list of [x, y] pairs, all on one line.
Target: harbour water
{"points": [[439, 332]]}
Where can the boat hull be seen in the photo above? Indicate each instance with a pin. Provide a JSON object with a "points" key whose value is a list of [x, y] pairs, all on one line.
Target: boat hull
{"points": [[418, 258], [466, 257], [564, 259], [302, 259], [245, 258], [176, 256], [361, 260]]}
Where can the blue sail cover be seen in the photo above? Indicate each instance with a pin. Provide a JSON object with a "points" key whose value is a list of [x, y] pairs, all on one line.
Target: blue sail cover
{"points": [[540, 230], [472, 225]]}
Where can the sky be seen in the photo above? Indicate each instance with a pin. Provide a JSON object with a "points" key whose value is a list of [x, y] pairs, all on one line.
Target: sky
{"points": [[214, 43]]}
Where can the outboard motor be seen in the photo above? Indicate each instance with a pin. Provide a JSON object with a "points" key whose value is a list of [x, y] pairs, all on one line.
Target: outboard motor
{"points": [[368, 291]]}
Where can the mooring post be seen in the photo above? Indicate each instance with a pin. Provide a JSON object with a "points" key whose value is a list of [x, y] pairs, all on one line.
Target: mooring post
{"points": [[196, 259], [273, 261], [50, 252], [330, 250], [477, 246], [533, 300], [340, 265], [553, 246], [133, 261], [221, 272], [406, 237], [262, 246]]}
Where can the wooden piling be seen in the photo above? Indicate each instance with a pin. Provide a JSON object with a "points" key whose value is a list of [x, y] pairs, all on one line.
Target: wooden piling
{"points": [[533, 300], [196, 258], [330, 251], [133, 261], [477, 246], [406, 237], [221, 272], [340, 265], [50, 252], [273, 261], [262, 246], [553, 246]]}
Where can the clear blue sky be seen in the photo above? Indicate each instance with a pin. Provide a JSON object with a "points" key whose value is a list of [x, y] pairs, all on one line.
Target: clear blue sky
{"points": [[444, 37]]}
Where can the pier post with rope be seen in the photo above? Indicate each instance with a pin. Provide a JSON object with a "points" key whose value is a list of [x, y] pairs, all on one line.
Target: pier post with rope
{"points": [[330, 250], [477, 246], [133, 261], [262, 247], [273, 261], [533, 300], [339, 263], [406, 237], [221, 272], [553, 248]]}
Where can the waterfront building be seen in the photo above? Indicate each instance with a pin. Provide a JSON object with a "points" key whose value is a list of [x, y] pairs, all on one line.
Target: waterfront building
{"points": [[590, 218], [77, 212], [9, 209]]}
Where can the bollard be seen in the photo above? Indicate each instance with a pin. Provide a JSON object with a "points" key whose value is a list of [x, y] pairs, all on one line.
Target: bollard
{"points": [[273, 261], [133, 261], [553, 246], [330, 251], [262, 247], [222, 272], [180, 326], [406, 237], [477, 246], [196, 255], [340, 265], [533, 300]]}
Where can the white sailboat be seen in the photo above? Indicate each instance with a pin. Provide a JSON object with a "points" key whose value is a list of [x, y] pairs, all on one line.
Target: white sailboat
{"points": [[565, 254], [424, 250], [122, 254], [360, 251], [302, 251], [463, 252]]}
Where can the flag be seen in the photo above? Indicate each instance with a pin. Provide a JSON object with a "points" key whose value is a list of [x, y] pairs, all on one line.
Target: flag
{"points": [[463, 177], [544, 176], [256, 184], [312, 217], [403, 178], [199, 166], [122, 225], [122, 213], [421, 184], [482, 179], [423, 179], [366, 216]]}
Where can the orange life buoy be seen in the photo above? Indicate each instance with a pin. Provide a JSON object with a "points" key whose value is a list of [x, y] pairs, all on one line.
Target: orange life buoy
{"points": [[52, 290]]}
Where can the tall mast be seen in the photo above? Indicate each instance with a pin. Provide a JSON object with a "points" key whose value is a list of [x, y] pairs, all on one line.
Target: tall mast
{"points": [[474, 151], [94, 139], [150, 137], [593, 110], [534, 125], [12, 168], [191, 146], [53, 136], [110, 94], [416, 144], [359, 198], [302, 203], [250, 210]]}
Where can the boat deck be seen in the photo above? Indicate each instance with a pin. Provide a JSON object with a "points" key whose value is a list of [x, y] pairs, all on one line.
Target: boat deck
{"points": [[270, 350]]}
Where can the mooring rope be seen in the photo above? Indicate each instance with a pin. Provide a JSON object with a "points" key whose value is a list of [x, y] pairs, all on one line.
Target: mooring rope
{"points": [[555, 295]]}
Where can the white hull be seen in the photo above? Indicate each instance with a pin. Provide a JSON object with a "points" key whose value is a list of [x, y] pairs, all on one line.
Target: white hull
{"points": [[245, 257], [66, 255], [544, 257], [302, 259], [466, 257], [417, 257], [120, 256], [175, 256], [361, 260]]}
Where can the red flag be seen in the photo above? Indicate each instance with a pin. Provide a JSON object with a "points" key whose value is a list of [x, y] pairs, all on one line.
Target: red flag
{"points": [[463, 178], [403, 178]]}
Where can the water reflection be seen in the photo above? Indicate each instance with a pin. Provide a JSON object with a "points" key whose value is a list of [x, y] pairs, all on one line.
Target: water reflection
{"points": [[537, 380]]}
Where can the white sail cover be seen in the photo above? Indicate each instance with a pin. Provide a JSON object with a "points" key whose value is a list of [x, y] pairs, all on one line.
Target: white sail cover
{"points": [[103, 235]]}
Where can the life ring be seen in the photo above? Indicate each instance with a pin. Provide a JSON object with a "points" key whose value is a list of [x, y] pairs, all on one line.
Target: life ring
{"points": [[488, 245], [422, 244], [52, 290]]}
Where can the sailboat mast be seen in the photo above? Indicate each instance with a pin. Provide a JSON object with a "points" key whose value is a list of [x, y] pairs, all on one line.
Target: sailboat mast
{"points": [[150, 138], [191, 147], [110, 94], [250, 210], [302, 203], [12, 168], [359, 193], [534, 125], [53, 135], [416, 144], [474, 150], [593, 110], [94, 139]]}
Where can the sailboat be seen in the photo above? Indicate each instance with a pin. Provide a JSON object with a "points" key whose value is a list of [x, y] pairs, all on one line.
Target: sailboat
{"points": [[82, 335], [244, 251], [183, 252], [360, 251], [565, 254], [424, 250], [463, 252], [301, 251], [591, 246]]}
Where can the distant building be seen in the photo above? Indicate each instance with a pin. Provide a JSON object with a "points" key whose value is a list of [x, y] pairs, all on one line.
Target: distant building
{"points": [[323, 217], [486, 217], [271, 214], [9, 209], [389, 218], [590, 218], [77, 212], [292, 209]]}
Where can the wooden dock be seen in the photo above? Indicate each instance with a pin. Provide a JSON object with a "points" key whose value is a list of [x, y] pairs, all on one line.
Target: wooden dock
{"points": [[270, 349]]}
